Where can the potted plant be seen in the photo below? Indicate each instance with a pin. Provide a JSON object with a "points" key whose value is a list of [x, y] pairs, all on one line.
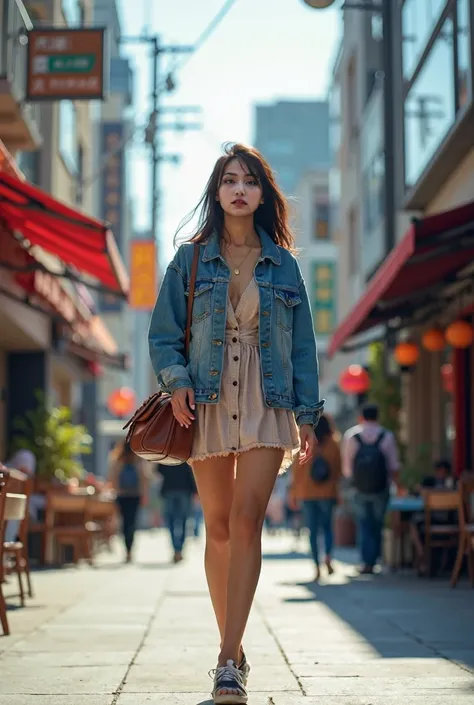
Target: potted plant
{"points": [[55, 441]]}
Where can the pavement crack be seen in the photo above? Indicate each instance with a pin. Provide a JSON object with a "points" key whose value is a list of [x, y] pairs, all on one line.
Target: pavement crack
{"points": [[280, 648], [153, 617]]}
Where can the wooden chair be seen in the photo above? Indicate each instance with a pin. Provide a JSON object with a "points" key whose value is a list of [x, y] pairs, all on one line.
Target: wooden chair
{"points": [[443, 536], [18, 549], [104, 513], [69, 523], [3, 604], [466, 529]]}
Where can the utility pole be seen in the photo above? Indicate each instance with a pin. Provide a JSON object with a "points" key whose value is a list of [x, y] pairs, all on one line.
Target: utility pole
{"points": [[154, 127]]}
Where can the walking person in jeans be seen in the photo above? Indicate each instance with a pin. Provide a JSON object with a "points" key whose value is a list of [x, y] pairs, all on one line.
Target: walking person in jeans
{"points": [[129, 479], [316, 485], [177, 491], [370, 459]]}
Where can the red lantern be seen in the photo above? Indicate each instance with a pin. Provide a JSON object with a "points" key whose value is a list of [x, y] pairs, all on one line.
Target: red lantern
{"points": [[406, 354], [433, 340], [122, 402], [95, 368], [354, 380], [460, 334], [447, 377]]}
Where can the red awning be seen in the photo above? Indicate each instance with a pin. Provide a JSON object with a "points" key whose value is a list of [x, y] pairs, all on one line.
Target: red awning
{"points": [[77, 239], [429, 257]]}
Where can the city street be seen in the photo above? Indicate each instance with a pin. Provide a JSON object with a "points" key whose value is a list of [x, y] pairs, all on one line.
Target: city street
{"points": [[145, 635]]}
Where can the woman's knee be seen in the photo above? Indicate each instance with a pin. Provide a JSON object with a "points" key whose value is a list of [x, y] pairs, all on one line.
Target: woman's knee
{"points": [[217, 529], [246, 523]]}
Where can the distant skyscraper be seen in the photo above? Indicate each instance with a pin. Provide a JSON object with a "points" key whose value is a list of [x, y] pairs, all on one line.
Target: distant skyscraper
{"points": [[294, 137]]}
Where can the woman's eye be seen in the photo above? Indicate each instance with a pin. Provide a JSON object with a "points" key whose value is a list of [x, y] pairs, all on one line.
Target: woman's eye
{"points": [[228, 181], [252, 183]]}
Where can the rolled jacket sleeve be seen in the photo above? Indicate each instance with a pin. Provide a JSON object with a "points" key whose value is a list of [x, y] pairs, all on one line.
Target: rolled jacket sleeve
{"points": [[166, 336], [304, 357]]}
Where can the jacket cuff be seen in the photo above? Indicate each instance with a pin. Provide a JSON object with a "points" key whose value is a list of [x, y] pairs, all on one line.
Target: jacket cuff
{"points": [[310, 417], [180, 383]]}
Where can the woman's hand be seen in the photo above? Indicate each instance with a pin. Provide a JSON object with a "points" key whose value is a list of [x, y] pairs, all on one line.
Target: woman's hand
{"points": [[182, 401], [308, 443]]}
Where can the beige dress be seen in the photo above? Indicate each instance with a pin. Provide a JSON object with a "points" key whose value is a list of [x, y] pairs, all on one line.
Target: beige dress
{"points": [[241, 421]]}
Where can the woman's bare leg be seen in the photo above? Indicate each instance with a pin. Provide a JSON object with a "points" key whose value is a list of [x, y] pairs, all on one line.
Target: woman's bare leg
{"points": [[215, 484], [257, 471]]}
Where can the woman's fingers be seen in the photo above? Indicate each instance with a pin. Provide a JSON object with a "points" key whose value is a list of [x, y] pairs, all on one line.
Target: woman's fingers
{"points": [[181, 410]]}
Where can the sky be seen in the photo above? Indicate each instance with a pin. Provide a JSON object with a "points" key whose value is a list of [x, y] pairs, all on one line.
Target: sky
{"points": [[263, 51]]}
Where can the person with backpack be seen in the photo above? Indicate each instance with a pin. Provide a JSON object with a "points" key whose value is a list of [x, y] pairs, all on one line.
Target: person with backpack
{"points": [[316, 485], [370, 459], [177, 491], [129, 479]]}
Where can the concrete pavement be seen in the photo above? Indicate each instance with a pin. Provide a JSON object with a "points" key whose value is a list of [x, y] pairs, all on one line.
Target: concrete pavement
{"points": [[145, 635]]}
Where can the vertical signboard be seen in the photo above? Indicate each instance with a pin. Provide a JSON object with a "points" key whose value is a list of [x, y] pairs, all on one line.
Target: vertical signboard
{"points": [[112, 196], [65, 63], [143, 275], [323, 296]]}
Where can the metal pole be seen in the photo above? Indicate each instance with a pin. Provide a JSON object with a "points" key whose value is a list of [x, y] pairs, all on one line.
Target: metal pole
{"points": [[389, 125], [155, 145]]}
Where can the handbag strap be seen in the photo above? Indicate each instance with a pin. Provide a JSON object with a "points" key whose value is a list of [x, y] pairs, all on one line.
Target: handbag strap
{"points": [[192, 287]]}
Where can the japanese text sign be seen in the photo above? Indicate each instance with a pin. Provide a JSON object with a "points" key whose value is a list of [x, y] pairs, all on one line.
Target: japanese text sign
{"points": [[143, 279], [65, 64], [323, 296]]}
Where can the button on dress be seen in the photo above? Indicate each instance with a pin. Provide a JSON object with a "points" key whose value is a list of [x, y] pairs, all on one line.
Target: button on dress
{"points": [[240, 420]]}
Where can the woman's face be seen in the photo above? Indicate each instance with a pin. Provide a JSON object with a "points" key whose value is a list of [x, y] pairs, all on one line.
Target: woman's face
{"points": [[239, 194]]}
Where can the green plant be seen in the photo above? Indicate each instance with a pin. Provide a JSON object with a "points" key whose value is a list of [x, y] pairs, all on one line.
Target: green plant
{"points": [[55, 441], [384, 390], [418, 467]]}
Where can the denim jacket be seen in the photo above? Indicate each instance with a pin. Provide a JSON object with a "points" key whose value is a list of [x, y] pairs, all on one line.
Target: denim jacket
{"points": [[289, 365]]}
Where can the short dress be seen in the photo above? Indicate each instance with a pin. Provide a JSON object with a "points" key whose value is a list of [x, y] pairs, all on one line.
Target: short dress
{"points": [[240, 420]]}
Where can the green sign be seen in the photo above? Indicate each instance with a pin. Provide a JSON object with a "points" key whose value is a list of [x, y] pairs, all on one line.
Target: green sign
{"points": [[71, 63], [323, 296]]}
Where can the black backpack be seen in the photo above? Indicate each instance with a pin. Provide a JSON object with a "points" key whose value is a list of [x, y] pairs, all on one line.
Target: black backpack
{"points": [[370, 474], [320, 470]]}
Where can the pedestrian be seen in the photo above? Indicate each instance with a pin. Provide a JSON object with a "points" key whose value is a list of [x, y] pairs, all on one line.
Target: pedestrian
{"points": [[250, 385], [177, 491], [316, 485], [128, 477], [370, 459]]}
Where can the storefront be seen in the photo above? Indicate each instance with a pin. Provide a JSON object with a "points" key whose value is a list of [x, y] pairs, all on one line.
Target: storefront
{"points": [[50, 336]]}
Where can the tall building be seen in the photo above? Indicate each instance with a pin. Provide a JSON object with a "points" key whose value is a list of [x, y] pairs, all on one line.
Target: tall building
{"points": [[293, 137], [425, 283]]}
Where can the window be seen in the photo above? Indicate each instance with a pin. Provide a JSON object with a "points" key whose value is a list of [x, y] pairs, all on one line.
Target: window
{"points": [[419, 18], [430, 105], [321, 220], [68, 144], [72, 11], [374, 193], [463, 54]]}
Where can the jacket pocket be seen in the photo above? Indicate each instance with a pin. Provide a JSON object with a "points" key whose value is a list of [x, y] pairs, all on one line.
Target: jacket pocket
{"points": [[285, 302], [202, 301]]}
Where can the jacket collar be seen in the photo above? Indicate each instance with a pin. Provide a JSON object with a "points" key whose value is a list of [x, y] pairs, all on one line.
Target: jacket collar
{"points": [[269, 248]]}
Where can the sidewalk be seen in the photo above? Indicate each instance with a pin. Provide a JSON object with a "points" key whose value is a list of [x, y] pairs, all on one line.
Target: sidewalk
{"points": [[145, 635]]}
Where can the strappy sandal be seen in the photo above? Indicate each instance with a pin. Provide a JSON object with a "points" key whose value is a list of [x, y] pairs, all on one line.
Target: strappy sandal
{"points": [[229, 678]]}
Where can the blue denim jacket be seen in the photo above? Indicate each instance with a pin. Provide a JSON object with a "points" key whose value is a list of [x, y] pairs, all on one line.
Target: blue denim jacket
{"points": [[289, 364]]}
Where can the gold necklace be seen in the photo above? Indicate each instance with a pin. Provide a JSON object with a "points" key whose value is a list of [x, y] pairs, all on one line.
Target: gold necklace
{"points": [[236, 269]]}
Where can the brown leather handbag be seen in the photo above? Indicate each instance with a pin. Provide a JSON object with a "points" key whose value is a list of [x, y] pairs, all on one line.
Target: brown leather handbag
{"points": [[153, 432]]}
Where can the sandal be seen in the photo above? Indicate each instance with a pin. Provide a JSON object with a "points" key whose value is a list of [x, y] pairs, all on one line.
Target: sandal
{"points": [[228, 678]]}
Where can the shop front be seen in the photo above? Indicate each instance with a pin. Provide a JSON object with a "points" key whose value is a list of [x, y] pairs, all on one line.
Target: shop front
{"points": [[423, 294], [51, 338]]}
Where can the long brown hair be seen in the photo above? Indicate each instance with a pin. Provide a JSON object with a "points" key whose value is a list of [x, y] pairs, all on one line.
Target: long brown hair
{"points": [[272, 215]]}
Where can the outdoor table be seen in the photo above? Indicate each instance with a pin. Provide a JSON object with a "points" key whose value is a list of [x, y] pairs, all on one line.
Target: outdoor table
{"points": [[406, 504], [397, 506]]}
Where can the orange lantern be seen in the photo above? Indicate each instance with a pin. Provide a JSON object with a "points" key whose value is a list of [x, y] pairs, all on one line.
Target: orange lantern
{"points": [[406, 354], [433, 340], [448, 377], [354, 380], [460, 334], [121, 402]]}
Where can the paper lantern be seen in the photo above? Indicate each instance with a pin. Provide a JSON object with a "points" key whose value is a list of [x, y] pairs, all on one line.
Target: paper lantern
{"points": [[354, 380], [447, 377], [433, 340], [460, 334], [121, 402], [319, 4], [406, 354]]}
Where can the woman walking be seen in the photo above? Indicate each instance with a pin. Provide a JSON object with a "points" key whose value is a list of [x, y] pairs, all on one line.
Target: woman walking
{"points": [[316, 485], [250, 385], [128, 478]]}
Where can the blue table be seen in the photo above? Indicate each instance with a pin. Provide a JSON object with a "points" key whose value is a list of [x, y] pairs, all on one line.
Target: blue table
{"points": [[406, 504]]}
